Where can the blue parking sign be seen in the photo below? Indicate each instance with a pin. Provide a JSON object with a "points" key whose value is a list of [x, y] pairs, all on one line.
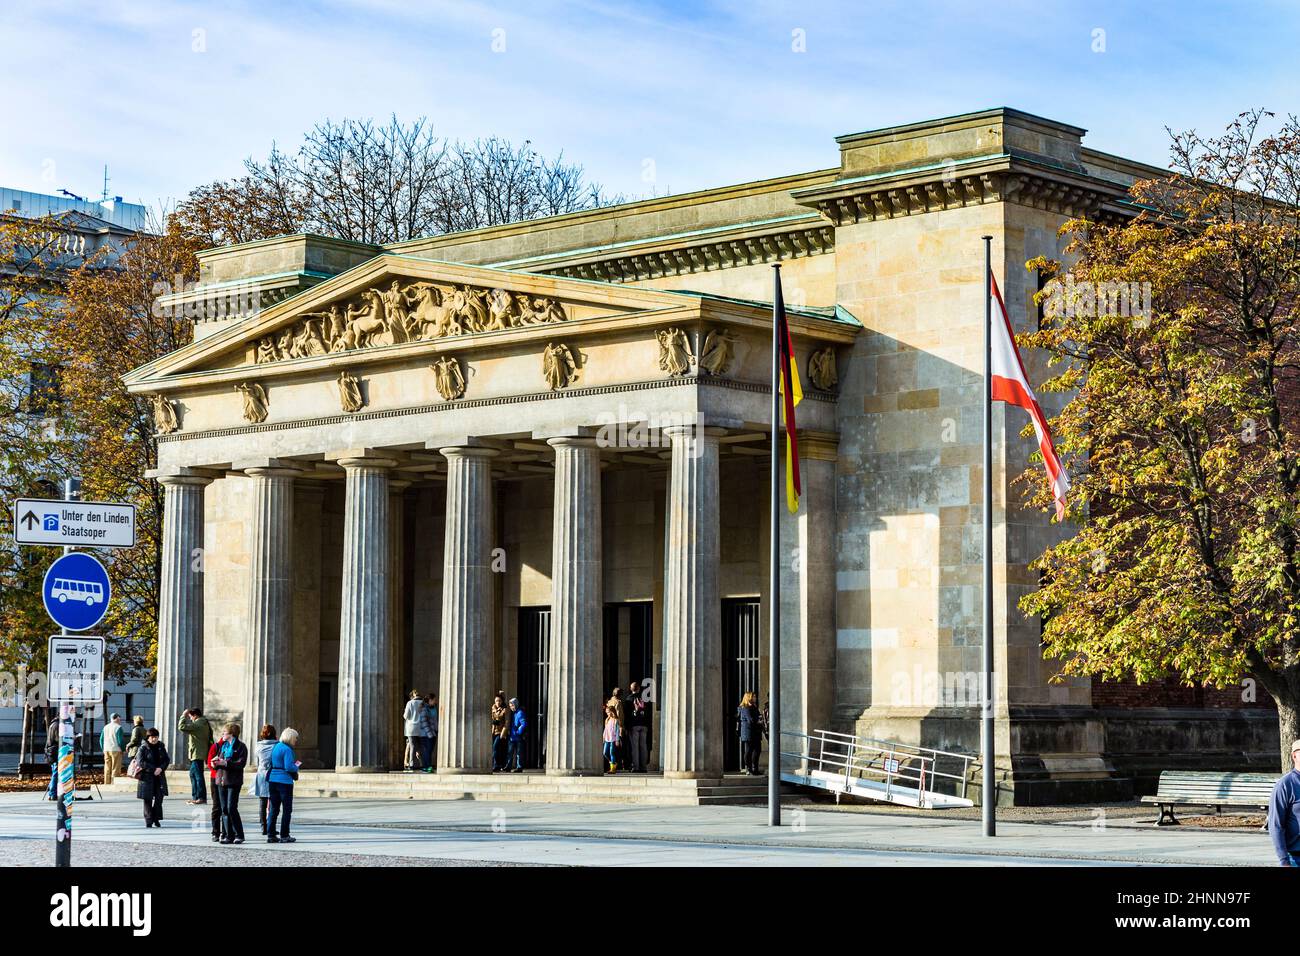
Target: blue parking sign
{"points": [[76, 591]]}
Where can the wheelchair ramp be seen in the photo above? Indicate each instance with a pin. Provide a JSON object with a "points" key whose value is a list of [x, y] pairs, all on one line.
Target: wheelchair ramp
{"points": [[882, 770]]}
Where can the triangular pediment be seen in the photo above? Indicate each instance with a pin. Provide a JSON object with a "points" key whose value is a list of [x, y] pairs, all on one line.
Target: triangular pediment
{"points": [[394, 302]]}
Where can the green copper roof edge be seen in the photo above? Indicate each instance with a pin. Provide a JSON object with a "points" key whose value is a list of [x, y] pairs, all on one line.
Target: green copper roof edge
{"points": [[712, 230]]}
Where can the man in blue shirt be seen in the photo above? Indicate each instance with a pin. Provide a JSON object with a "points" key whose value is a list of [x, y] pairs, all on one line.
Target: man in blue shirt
{"points": [[1284, 813]]}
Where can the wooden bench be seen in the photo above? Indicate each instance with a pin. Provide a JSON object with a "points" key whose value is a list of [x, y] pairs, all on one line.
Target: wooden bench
{"points": [[1180, 788]]}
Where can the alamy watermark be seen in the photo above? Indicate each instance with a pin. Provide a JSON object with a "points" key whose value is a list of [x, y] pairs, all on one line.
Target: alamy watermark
{"points": [[1089, 299]]}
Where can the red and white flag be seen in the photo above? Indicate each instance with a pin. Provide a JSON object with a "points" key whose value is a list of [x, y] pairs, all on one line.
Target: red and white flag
{"points": [[1010, 384]]}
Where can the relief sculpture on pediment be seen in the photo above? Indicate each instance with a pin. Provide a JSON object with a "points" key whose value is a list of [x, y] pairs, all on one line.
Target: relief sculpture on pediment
{"points": [[416, 311]]}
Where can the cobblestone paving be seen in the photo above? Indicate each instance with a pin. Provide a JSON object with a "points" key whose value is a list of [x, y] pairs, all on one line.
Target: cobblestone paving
{"points": [[23, 852]]}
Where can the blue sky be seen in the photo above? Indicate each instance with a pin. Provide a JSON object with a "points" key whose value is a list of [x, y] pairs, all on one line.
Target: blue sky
{"points": [[651, 97]]}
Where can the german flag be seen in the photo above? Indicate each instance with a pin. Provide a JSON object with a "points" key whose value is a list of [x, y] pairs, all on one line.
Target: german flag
{"points": [[792, 394]]}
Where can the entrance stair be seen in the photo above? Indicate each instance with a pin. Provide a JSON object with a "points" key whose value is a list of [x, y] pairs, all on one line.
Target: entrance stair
{"points": [[529, 786]]}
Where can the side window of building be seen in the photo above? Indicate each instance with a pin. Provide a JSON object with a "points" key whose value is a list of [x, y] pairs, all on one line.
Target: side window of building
{"points": [[44, 391]]}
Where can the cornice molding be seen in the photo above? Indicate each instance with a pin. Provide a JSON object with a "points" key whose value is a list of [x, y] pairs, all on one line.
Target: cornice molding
{"points": [[952, 186]]}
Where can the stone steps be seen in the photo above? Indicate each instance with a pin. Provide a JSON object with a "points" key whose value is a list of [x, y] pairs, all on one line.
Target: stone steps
{"points": [[650, 789]]}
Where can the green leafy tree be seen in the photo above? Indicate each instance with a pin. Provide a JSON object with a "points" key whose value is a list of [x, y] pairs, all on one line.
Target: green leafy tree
{"points": [[36, 257], [1184, 425], [110, 325]]}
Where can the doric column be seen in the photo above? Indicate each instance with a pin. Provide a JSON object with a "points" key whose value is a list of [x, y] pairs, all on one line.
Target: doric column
{"points": [[365, 628], [692, 692], [269, 660], [397, 679], [465, 679], [180, 604], [573, 730]]}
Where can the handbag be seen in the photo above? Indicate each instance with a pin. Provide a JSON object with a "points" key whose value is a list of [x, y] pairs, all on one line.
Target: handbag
{"points": [[133, 769]]}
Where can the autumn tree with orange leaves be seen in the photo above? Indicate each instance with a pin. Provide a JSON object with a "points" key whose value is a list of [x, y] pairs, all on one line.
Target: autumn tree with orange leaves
{"points": [[1183, 426]]}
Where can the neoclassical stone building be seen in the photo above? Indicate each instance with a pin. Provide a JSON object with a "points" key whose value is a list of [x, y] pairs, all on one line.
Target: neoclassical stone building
{"points": [[534, 457]]}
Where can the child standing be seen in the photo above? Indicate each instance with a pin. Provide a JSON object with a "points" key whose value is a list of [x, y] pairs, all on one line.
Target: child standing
{"points": [[612, 734]]}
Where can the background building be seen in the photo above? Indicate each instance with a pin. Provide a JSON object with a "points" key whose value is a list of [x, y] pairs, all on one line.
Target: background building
{"points": [[85, 228], [397, 475]]}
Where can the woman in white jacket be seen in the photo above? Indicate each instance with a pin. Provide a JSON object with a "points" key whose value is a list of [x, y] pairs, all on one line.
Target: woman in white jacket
{"points": [[413, 726], [258, 786]]}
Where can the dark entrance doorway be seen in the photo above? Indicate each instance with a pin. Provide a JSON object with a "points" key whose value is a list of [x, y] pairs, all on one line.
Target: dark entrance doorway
{"points": [[629, 648], [533, 674], [327, 708], [740, 643], [629, 656]]}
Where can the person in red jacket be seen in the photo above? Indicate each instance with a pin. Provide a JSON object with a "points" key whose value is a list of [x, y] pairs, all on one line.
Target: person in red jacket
{"points": [[212, 792]]}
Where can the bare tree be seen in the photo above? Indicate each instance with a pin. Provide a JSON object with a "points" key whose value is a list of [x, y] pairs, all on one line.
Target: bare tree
{"points": [[380, 184]]}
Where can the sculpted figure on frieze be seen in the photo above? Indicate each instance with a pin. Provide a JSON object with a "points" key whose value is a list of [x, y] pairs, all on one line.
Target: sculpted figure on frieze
{"points": [[255, 403], [715, 355], [164, 415], [821, 369], [448, 378], [350, 399], [558, 366], [397, 313], [675, 355]]}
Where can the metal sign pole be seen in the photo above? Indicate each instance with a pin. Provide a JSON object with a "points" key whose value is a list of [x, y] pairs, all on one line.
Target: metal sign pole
{"points": [[67, 766], [989, 802], [774, 572]]}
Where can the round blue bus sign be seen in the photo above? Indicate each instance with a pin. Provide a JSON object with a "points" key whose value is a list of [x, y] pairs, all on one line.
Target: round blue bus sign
{"points": [[76, 591]]}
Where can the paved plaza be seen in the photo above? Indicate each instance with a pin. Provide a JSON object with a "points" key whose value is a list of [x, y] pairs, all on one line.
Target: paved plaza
{"points": [[456, 832]]}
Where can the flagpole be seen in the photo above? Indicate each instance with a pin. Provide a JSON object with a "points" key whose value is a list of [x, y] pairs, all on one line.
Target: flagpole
{"points": [[989, 813], [774, 580]]}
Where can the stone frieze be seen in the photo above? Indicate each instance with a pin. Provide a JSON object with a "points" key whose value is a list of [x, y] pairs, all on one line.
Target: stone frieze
{"points": [[406, 312]]}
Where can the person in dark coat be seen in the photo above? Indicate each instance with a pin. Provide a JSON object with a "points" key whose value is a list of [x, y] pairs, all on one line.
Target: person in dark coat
{"points": [[52, 742], [152, 785], [229, 762], [137, 738], [750, 719]]}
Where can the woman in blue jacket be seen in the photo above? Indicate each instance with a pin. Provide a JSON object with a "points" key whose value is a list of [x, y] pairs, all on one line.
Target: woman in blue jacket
{"points": [[281, 778], [518, 725]]}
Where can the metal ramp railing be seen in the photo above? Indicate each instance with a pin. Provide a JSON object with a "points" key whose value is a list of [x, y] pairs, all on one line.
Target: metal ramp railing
{"points": [[882, 770]]}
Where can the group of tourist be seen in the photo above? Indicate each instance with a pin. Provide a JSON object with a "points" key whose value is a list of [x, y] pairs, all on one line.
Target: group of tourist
{"points": [[626, 733], [275, 770], [626, 722], [626, 719], [223, 756]]}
